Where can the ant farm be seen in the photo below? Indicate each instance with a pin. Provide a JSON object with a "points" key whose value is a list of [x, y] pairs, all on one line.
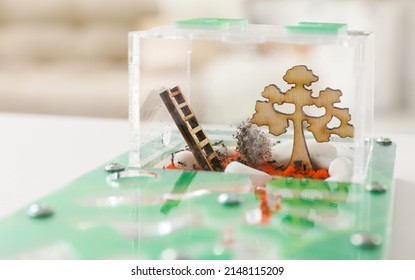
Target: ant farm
{"points": [[246, 142]]}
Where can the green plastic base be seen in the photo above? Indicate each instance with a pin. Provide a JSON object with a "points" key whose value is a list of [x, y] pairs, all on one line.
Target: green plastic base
{"points": [[172, 214]]}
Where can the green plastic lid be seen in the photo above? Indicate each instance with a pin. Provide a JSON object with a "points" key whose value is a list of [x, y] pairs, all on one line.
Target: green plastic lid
{"points": [[212, 23], [318, 27]]}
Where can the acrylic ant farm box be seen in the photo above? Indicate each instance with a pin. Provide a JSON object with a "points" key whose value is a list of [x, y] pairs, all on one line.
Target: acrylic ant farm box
{"points": [[247, 142], [289, 107]]}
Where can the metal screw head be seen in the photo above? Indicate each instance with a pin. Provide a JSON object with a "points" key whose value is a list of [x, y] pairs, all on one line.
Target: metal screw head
{"points": [[366, 240], [229, 199], [376, 187], [114, 167], [39, 211], [384, 141], [304, 181], [288, 180]]}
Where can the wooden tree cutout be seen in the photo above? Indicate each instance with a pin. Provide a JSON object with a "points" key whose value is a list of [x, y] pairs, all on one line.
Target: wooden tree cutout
{"points": [[301, 77]]}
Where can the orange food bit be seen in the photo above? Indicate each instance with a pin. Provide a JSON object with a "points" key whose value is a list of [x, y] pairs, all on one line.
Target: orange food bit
{"points": [[321, 174], [266, 210], [229, 159], [311, 173], [290, 171], [272, 169], [170, 166]]}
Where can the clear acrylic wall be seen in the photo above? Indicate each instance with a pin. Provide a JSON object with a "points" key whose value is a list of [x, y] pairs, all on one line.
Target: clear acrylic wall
{"points": [[223, 66]]}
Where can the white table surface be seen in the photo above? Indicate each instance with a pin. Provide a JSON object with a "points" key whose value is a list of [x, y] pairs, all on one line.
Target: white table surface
{"points": [[40, 154]]}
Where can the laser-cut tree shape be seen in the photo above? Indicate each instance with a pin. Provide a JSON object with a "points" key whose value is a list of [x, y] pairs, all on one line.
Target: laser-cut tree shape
{"points": [[301, 77]]}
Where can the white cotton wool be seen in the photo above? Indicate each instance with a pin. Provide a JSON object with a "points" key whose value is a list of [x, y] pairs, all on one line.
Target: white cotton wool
{"points": [[224, 151], [341, 170], [185, 160], [321, 154], [239, 168], [281, 153]]}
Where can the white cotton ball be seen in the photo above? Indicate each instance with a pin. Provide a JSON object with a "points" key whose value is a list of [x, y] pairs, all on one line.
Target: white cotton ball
{"points": [[238, 168], [224, 151], [185, 160], [341, 170], [230, 152], [281, 153], [345, 152], [321, 154]]}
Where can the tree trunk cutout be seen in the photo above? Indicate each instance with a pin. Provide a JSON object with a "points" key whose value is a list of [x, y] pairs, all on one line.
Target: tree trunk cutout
{"points": [[266, 113]]}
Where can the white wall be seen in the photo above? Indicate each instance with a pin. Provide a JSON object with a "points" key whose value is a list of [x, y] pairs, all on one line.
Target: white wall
{"points": [[384, 17], [409, 42]]}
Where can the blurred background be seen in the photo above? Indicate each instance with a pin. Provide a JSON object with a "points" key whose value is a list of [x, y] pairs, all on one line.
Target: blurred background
{"points": [[69, 57]]}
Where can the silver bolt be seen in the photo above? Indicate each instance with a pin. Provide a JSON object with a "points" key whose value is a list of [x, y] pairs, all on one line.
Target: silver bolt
{"points": [[229, 199], [39, 211], [114, 167], [376, 187], [384, 141], [366, 240]]}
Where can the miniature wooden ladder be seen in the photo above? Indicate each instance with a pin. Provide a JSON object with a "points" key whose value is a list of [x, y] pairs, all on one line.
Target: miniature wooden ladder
{"points": [[191, 130]]}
